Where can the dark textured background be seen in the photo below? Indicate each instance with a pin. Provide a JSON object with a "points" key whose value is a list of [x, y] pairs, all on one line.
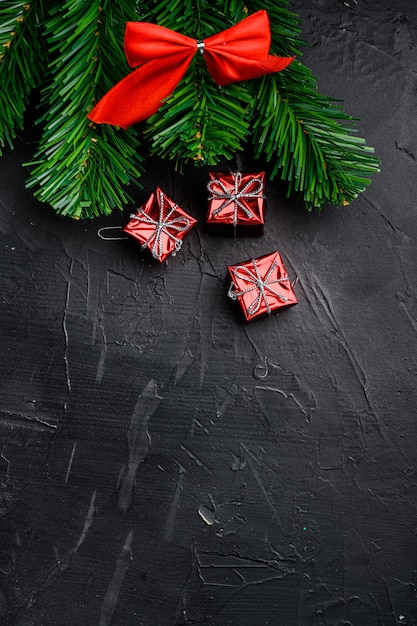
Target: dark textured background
{"points": [[163, 464]]}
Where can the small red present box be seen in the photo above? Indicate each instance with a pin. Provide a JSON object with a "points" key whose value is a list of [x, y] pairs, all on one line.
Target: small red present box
{"points": [[236, 203], [261, 286], [160, 225]]}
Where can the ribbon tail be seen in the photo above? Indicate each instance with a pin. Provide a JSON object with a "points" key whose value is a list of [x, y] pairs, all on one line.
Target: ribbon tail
{"points": [[228, 68], [141, 93], [276, 64]]}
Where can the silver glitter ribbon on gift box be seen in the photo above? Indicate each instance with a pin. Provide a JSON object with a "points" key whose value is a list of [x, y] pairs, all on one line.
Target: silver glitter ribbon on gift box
{"points": [[163, 225], [236, 195], [263, 285]]}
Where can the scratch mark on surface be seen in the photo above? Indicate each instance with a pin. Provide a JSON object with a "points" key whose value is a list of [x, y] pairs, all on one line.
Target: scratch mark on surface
{"points": [[24, 421], [56, 553], [195, 458], [402, 237], [200, 425], [4, 478], [410, 317], [184, 363], [401, 240], [65, 329], [203, 323], [71, 279], [96, 284], [169, 529], [138, 439], [389, 598], [61, 565], [70, 462], [205, 263], [232, 573], [252, 343], [101, 364], [224, 398], [353, 8], [88, 522], [238, 463], [190, 350], [404, 151], [249, 459], [48, 369], [207, 515], [196, 423], [287, 396], [113, 590], [340, 337], [261, 369]]}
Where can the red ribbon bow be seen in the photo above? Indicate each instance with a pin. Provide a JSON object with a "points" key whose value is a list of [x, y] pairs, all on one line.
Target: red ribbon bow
{"points": [[238, 53]]}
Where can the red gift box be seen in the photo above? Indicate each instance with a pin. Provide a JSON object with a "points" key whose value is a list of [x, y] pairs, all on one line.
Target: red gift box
{"points": [[160, 225], [261, 286], [236, 203]]}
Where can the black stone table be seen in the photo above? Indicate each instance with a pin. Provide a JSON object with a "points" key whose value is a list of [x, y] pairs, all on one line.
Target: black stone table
{"points": [[164, 464]]}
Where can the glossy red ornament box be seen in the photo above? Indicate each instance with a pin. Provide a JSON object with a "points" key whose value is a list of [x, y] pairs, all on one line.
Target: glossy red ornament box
{"points": [[261, 286], [160, 225], [236, 203]]}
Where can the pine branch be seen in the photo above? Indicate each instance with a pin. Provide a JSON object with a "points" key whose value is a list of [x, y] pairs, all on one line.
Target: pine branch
{"points": [[80, 169], [21, 59], [200, 121], [308, 137], [284, 24]]}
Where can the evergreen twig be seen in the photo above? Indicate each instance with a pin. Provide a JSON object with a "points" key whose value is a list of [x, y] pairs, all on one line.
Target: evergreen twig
{"points": [[80, 169], [22, 57], [307, 136], [200, 121]]}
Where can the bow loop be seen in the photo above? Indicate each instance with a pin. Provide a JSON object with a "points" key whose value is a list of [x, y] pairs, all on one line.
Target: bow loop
{"points": [[145, 42], [163, 55]]}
